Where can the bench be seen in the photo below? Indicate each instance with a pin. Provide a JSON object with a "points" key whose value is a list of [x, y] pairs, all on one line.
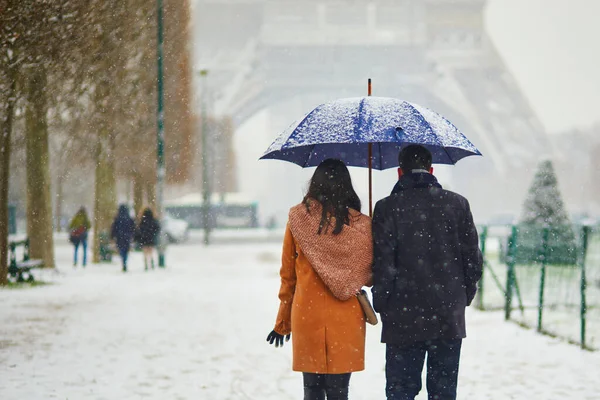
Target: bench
{"points": [[106, 247], [16, 269]]}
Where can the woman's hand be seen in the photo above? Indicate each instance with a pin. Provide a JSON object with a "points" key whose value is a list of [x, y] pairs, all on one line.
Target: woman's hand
{"points": [[277, 338]]}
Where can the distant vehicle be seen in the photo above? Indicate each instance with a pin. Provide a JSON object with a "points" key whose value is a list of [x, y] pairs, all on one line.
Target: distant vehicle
{"points": [[583, 218], [502, 219], [227, 210], [176, 230]]}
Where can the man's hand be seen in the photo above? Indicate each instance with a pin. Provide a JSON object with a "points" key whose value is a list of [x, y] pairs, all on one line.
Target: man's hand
{"points": [[277, 338]]}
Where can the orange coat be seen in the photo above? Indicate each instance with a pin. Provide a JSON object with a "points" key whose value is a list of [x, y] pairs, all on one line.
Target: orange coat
{"points": [[328, 335]]}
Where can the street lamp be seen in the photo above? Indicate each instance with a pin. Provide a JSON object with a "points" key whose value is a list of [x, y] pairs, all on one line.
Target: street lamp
{"points": [[205, 175], [160, 137]]}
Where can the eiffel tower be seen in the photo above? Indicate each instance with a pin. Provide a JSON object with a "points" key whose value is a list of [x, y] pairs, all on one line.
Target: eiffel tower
{"points": [[436, 53]]}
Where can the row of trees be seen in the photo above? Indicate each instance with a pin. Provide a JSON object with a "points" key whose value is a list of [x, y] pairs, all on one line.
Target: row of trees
{"points": [[78, 92]]}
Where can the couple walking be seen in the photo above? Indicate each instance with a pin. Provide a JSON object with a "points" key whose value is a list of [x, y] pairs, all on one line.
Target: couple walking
{"points": [[421, 256], [124, 231]]}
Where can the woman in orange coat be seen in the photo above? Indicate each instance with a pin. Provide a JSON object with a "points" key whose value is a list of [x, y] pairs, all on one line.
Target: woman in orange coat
{"points": [[327, 257]]}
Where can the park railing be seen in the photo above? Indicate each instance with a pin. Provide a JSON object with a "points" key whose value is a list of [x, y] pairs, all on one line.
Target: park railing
{"points": [[544, 278]]}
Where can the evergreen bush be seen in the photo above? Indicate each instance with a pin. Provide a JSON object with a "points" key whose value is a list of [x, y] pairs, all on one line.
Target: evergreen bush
{"points": [[544, 208]]}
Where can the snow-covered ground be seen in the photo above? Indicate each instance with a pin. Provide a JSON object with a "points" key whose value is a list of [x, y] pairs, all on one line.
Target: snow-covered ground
{"points": [[197, 329]]}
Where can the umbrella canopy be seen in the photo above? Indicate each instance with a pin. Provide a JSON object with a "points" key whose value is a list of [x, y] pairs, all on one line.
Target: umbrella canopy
{"points": [[344, 128]]}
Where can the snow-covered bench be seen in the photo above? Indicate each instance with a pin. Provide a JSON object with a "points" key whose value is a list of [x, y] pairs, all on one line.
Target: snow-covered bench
{"points": [[17, 269]]}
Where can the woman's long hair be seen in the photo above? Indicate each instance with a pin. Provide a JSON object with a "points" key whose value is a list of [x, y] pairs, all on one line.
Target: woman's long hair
{"points": [[147, 215], [331, 186]]}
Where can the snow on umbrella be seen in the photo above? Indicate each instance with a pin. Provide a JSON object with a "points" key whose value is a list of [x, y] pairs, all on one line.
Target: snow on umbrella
{"points": [[369, 132], [344, 128]]}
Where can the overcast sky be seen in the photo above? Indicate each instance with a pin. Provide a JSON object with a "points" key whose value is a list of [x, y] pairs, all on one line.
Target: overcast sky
{"points": [[552, 47]]}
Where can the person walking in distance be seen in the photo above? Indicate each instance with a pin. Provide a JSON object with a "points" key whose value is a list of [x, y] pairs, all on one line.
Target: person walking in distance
{"points": [[425, 270], [148, 231], [79, 228], [326, 260], [122, 231]]}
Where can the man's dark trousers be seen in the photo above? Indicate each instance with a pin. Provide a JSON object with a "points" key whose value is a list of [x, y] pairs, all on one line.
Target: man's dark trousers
{"points": [[404, 365]]}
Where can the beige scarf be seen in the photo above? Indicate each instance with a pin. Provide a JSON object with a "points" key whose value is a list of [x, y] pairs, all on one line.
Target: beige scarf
{"points": [[343, 261]]}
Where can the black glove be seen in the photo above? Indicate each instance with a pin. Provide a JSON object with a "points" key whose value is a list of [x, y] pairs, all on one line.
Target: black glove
{"points": [[277, 338]]}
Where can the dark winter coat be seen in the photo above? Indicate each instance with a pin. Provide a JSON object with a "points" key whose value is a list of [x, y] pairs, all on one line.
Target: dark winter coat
{"points": [[147, 234], [123, 229], [426, 261]]}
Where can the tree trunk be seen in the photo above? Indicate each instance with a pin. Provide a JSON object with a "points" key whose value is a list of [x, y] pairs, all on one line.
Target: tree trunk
{"points": [[5, 147], [128, 191], [39, 204], [138, 194], [105, 198], [151, 195], [59, 201]]}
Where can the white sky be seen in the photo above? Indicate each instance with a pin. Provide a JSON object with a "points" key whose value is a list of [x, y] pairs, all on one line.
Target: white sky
{"points": [[552, 47]]}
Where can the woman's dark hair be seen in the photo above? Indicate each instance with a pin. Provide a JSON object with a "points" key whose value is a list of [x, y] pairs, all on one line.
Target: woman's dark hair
{"points": [[147, 214], [331, 186]]}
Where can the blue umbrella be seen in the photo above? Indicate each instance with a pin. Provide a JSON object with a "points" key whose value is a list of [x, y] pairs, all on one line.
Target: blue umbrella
{"points": [[369, 132], [344, 128]]}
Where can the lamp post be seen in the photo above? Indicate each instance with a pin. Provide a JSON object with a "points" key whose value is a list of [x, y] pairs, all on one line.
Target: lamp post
{"points": [[205, 175], [160, 139]]}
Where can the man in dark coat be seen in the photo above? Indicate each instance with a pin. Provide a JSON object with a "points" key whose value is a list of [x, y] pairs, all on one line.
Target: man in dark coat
{"points": [[426, 266], [122, 231]]}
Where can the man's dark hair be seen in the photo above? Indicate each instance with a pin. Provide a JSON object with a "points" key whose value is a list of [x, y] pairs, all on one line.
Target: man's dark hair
{"points": [[414, 157]]}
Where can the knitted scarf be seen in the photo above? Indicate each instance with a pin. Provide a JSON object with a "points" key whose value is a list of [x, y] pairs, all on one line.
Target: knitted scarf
{"points": [[343, 261]]}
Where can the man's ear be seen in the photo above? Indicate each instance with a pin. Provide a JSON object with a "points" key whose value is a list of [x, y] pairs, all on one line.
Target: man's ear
{"points": [[431, 170], [400, 173]]}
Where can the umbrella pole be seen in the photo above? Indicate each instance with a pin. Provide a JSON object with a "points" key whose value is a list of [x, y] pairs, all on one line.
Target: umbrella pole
{"points": [[370, 179], [370, 167]]}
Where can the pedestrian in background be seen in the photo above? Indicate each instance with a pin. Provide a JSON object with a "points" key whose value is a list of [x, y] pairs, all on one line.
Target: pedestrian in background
{"points": [[147, 236], [326, 260], [122, 231], [79, 227]]}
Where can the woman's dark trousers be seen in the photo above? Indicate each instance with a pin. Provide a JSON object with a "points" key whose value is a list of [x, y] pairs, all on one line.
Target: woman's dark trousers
{"points": [[334, 386], [404, 365]]}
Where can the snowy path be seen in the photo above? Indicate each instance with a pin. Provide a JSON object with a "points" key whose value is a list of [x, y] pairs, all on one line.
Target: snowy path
{"points": [[197, 331]]}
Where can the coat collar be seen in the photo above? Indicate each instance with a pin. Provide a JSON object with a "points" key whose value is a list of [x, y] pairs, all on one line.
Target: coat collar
{"points": [[342, 261], [416, 181]]}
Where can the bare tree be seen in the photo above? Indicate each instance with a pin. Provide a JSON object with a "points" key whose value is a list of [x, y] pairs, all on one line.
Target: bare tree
{"points": [[90, 65], [8, 87]]}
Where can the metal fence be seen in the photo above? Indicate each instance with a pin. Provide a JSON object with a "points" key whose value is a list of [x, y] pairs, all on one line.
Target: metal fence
{"points": [[543, 284]]}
